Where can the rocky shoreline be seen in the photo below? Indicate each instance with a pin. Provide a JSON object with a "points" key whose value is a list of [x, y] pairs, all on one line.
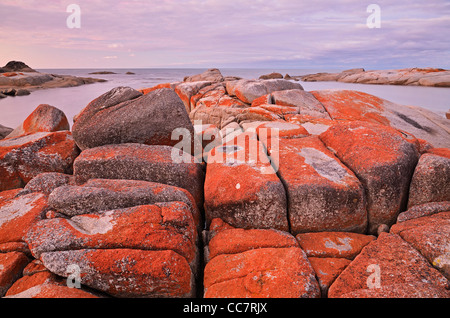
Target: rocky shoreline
{"points": [[18, 79], [431, 77], [219, 187]]}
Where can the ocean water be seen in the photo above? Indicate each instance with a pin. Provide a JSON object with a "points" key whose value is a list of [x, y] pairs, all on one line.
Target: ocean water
{"points": [[13, 110]]}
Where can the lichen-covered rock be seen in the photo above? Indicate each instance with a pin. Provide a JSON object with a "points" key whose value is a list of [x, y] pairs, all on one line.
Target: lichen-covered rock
{"points": [[99, 195], [323, 194], [142, 162], [383, 159], [163, 226], [333, 244], [303, 102], [18, 214], [11, 267], [350, 105], [327, 270], [127, 273], [47, 291], [187, 90], [281, 129], [123, 115], [431, 179], [248, 90], [261, 273], [430, 235], [23, 158], [242, 188], [391, 267], [48, 181], [234, 241], [44, 118]]}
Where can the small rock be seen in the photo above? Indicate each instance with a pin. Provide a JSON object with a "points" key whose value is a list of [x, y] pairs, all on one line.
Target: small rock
{"points": [[44, 118], [271, 76], [431, 179]]}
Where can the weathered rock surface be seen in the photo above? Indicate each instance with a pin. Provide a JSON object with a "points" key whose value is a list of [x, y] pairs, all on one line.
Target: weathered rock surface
{"points": [[258, 264], [323, 194], [430, 235], [359, 106], [23, 158], [295, 182], [211, 75], [18, 214], [249, 90], [99, 195], [142, 162], [163, 226], [242, 188], [389, 267], [124, 115], [431, 179], [127, 272], [333, 244], [383, 159], [11, 266], [48, 181]]}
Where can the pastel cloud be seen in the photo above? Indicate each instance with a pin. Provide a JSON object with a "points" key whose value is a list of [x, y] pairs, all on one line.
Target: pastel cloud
{"points": [[235, 33]]}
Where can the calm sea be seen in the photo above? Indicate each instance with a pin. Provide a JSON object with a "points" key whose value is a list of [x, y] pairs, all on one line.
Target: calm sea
{"points": [[13, 110]]}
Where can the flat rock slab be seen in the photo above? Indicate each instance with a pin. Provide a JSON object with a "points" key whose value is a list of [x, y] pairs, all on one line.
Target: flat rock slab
{"points": [[234, 241], [127, 273], [163, 226], [389, 267], [323, 194], [141, 162], [124, 115], [383, 159], [99, 195], [431, 179], [261, 273], [242, 188], [333, 244], [23, 158]]}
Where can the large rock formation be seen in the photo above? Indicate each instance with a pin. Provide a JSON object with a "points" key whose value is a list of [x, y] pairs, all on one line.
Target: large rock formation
{"points": [[277, 192], [18, 79], [409, 76]]}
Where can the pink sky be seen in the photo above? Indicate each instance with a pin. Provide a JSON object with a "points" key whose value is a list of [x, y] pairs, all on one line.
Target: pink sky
{"points": [[219, 33]]}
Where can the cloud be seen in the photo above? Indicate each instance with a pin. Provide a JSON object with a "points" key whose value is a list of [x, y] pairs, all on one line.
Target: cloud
{"points": [[237, 32]]}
